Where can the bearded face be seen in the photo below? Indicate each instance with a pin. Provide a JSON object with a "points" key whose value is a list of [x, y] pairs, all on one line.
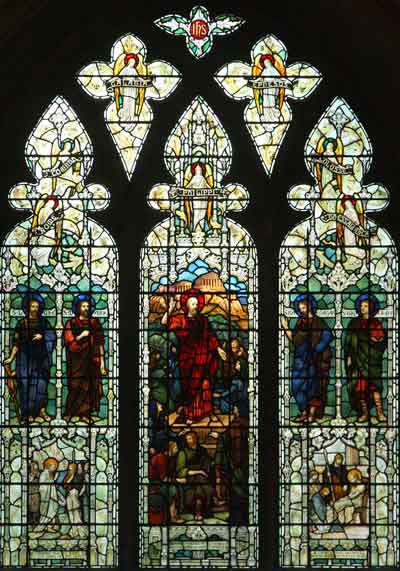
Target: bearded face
{"points": [[33, 309], [84, 309], [192, 304]]}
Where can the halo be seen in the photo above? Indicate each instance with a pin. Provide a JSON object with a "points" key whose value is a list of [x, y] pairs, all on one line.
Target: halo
{"points": [[310, 299], [374, 305], [192, 293], [79, 299]]}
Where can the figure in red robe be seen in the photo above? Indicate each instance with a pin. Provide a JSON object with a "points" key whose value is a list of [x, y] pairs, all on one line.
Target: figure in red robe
{"points": [[84, 343], [197, 353]]}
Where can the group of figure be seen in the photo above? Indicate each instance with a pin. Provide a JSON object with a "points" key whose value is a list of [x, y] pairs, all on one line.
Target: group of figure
{"points": [[338, 496], [365, 343], [186, 479], [48, 496], [33, 348], [202, 378]]}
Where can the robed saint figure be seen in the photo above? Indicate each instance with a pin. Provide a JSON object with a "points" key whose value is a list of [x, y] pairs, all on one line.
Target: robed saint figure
{"points": [[311, 337], [84, 344], [198, 352], [33, 346], [364, 348]]}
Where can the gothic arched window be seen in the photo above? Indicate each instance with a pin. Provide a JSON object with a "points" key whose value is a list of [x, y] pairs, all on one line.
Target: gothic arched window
{"points": [[59, 308], [338, 406], [198, 392]]}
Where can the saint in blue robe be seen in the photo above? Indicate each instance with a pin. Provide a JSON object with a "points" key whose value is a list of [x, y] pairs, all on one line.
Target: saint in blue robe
{"points": [[33, 363]]}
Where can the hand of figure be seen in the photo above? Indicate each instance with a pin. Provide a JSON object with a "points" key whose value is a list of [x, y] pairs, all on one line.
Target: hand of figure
{"points": [[7, 361], [37, 337], [237, 366], [103, 371], [84, 334], [376, 339], [284, 322], [349, 361], [222, 353], [216, 395]]}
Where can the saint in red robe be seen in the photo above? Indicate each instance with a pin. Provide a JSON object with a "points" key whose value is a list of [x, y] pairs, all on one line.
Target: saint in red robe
{"points": [[198, 362], [83, 366]]}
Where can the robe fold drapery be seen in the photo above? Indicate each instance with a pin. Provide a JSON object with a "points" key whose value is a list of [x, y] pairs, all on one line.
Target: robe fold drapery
{"points": [[198, 362], [83, 366], [33, 363], [364, 374], [312, 358], [50, 502]]}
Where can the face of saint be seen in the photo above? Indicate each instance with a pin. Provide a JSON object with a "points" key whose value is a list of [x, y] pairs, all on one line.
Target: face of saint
{"points": [[173, 349], [84, 309], [364, 308], [303, 307], [191, 440], [33, 309], [192, 304], [198, 170]]}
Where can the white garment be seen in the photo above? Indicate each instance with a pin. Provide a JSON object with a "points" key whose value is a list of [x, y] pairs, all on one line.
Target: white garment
{"points": [[199, 204], [270, 109], [127, 113], [73, 503], [50, 501]]}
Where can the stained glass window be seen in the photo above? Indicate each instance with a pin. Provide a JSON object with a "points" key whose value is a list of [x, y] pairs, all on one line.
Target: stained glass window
{"points": [[198, 392], [318, 480], [59, 336], [338, 403]]}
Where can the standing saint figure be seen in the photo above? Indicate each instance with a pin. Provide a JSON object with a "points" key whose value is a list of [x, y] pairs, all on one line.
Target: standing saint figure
{"points": [[364, 347], [311, 360], [84, 344], [50, 500], [197, 353], [33, 345]]}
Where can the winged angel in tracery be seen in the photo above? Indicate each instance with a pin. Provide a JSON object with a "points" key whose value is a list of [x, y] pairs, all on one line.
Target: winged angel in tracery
{"points": [[338, 359], [268, 82], [198, 348], [59, 287], [129, 81]]}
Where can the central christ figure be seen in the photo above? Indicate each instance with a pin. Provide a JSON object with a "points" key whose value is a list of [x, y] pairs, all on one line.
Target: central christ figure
{"points": [[197, 353]]}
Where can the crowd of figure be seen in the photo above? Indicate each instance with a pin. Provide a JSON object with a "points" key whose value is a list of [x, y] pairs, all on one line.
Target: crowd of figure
{"points": [[200, 379], [32, 350], [338, 495], [365, 343], [52, 493]]}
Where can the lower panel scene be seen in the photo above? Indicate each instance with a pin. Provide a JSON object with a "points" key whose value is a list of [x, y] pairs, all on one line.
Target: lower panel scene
{"points": [[338, 497], [59, 497]]}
